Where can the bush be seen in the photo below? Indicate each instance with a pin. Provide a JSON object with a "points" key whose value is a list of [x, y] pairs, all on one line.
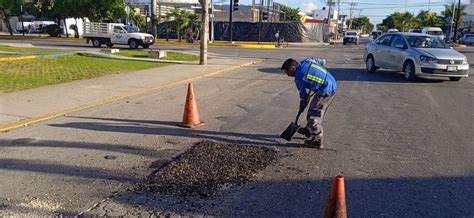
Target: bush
{"points": [[53, 30]]}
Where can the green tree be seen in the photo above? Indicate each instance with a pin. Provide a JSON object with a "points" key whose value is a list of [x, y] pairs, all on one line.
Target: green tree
{"points": [[448, 14], [400, 21], [9, 8], [429, 18], [289, 14], [362, 24], [194, 23], [180, 19]]}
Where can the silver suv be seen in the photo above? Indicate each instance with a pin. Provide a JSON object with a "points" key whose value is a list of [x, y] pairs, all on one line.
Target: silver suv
{"points": [[416, 55]]}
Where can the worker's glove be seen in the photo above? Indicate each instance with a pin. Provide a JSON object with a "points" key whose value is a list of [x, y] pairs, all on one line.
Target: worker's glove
{"points": [[321, 61]]}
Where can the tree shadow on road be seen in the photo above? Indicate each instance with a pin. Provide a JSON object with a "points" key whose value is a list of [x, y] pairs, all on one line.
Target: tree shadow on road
{"points": [[449, 196], [382, 76], [169, 128]]}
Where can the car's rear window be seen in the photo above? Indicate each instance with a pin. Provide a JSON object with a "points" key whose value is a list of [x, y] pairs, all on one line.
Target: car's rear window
{"points": [[351, 34], [434, 33]]}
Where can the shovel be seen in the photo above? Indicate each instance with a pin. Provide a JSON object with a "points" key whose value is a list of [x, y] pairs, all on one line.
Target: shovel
{"points": [[293, 127]]}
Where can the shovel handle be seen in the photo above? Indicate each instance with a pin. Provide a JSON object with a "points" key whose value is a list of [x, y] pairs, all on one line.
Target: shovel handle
{"points": [[310, 95]]}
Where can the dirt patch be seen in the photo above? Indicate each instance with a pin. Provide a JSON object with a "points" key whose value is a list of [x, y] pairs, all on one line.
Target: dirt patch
{"points": [[207, 167]]}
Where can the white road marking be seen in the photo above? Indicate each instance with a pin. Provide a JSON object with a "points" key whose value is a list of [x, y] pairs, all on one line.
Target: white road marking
{"points": [[433, 101]]}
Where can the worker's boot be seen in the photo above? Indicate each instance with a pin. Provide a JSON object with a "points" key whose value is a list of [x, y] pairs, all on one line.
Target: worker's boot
{"points": [[314, 142], [304, 131]]}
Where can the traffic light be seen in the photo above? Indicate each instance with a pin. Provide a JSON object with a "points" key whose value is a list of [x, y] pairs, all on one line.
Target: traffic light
{"points": [[236, 5], [265, 15]]}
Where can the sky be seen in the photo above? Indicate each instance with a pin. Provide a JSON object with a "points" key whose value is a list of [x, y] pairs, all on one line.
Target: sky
{"points": [[376, 10]]}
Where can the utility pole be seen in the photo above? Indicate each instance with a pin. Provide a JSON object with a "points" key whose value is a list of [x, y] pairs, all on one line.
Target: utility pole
{"points": [[351, 13], [212, 21], [153, 18], [231, 9], [429, 5], [204, 32], [329, 19], [405, 5], [458, 14], [452, 20], [260, 13], [338, 17]]}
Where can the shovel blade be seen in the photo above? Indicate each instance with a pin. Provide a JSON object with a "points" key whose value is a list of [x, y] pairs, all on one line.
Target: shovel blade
{"points": [[289, 131]]}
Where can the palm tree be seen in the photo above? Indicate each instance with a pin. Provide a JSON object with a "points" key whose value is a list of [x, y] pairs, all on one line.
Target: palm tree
{"points": [[180, 20], [428, 18], [194, 23], [449, 9]]}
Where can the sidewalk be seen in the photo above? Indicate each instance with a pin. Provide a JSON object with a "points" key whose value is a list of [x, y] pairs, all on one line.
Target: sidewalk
{"points": [[34, 105]]}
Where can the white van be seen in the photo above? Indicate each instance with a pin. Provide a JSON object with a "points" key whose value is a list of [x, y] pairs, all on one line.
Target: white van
{"points": [[434, 31], [393, 31]]}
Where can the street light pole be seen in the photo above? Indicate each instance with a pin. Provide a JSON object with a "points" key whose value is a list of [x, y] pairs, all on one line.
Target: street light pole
{"points": [[22, 21]]}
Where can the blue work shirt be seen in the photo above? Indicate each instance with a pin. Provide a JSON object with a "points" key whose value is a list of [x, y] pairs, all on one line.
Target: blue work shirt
{"points": [[310, 74]]}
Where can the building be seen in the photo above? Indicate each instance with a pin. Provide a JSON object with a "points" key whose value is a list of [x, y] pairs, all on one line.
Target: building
{"points": [[246, 13], [468, 20]]}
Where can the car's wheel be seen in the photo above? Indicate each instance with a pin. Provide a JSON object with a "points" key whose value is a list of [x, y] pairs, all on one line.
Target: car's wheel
{"points": [[409, 69], [344, 43], [133, 43], [96, 43], [452, 78], [145, 46], [370, 64], [109, 45]]}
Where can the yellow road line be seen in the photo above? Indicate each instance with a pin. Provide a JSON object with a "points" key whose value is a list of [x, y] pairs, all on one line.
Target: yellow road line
{"points": [[32, 120], [5, 59]]}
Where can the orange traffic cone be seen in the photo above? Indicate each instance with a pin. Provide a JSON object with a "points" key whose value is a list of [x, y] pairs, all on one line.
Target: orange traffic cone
{"points": [[336, 204], [191, 114]]}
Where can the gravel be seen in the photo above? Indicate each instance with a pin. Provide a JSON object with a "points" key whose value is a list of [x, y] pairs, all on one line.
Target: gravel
{"points": [[207, 167]]}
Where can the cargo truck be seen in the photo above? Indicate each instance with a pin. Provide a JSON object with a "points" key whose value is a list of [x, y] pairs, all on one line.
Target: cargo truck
{"points": [[110, 34]]}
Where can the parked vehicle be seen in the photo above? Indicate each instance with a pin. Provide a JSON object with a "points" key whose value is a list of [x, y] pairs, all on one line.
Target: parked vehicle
{"points": [[351, 36], [116, 33], [376, 34], [467, 39], [392, 31], [416, 55], [25, 28], [414, 31], [365, 35], [434, 31]]}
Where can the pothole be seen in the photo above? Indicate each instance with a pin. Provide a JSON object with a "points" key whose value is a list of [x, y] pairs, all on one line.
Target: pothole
{"points": [[208, 167]]}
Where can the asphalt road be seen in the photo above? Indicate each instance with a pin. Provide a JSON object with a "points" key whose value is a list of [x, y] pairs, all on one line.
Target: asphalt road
{"points": [[405, 148]]}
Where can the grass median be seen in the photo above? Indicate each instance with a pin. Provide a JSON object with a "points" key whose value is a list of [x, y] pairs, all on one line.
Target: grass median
{"points": [[170, 55], [26, 74], [28, 50]]}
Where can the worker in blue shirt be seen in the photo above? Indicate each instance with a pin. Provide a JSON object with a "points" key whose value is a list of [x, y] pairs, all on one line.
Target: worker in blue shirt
{"points": [[310, 74]]}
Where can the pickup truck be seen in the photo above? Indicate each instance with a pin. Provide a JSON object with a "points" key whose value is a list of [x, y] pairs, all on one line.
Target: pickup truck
{"points": [[115, 33], [351, 37]]}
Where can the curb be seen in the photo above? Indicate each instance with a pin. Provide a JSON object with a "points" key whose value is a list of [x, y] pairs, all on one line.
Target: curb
{"points": [[26, 122], [6, 59], [216, 44]]}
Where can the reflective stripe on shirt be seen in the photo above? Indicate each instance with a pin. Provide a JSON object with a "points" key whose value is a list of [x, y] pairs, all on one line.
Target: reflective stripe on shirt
{"points": [[315, 78], [319, 68]]}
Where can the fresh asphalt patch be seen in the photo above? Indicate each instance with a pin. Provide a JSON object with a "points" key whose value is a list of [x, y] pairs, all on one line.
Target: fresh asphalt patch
{"points": [[207, 167]]}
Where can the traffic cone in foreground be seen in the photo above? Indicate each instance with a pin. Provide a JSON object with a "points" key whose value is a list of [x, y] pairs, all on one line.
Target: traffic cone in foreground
{"points": [[191, 114], [336, 204]]}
